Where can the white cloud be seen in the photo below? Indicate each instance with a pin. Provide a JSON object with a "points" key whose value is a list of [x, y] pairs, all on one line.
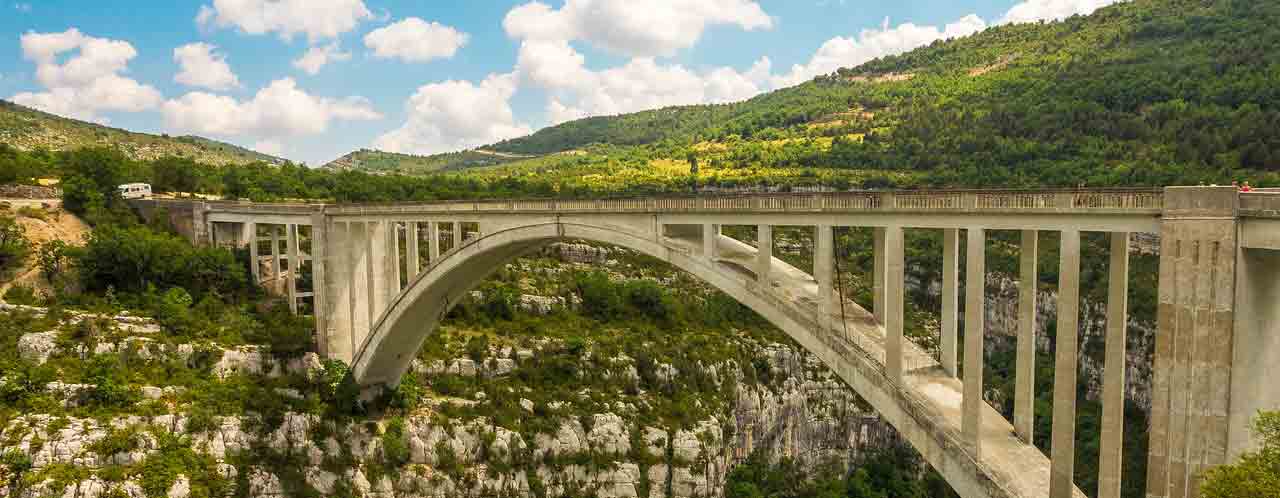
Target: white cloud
{"points": [[456, 115], [415, 40], [317, 19], [22, 7], [627, 27], [279, 110], [1051, 10], [873, 43], [86, 83], [269, 147], [201, 67], [317, 57]]}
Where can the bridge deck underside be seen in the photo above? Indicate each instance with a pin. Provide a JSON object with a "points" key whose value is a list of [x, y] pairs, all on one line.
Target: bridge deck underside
{"points": [[1020, 468]]}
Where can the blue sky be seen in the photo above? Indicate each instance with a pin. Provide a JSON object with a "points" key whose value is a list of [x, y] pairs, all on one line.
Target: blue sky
{"points": [[425, 77]]}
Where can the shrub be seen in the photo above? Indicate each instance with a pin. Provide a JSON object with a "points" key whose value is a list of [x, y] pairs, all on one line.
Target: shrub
{"points": [[23, 295], [1257, 474], [14, 246], [600, 297], [54, 259], [135, 258]]}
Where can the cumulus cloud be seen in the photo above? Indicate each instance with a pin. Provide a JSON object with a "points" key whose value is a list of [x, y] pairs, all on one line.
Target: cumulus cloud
{"points": [[279, 110], [86, 83], [1052, 10], [415, 40], [456, 115], [873, 43], [201, 67], [318, 57], [317, 19], [626, 27]]}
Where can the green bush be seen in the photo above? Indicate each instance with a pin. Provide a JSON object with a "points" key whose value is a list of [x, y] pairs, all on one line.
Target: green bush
{"points": [[22, 294], [1256, 474], [133, 259], [14, 246]]}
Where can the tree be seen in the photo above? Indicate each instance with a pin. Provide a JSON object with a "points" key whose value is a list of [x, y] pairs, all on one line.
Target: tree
{"points": [[14, 245], [53, 259], [1257, 474]]}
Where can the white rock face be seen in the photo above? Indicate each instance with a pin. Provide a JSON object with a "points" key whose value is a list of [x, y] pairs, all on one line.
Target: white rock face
{"points": [[609, 435], [38, 347], [181, 488]]}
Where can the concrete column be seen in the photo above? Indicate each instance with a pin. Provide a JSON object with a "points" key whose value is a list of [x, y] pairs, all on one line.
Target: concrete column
{"points": [[710, 238], [974, 330], [950, 298], [1113, 372], [433, 245], [339, 273], [320, 280], [255, 266], [764, 254], [878, 275], [275, 257], [895, 282], [378, 271], [358, 245], [1195, 422], [393, 261], [412, 254], [457, 235], [1063, 451], [247, 230], [1024, 391], [295, 266], [824, 273]]}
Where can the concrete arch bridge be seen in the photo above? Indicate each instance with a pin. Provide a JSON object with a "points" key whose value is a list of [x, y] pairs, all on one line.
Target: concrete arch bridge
{"points": [[384, 275]]}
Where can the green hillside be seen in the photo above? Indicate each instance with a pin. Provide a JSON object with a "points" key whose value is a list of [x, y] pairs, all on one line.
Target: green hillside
{"points": [[379, 161], [28, 129], [1149, 92]]}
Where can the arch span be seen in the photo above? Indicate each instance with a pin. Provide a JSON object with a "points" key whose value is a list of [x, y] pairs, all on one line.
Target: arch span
{"points": [[924, 407]]}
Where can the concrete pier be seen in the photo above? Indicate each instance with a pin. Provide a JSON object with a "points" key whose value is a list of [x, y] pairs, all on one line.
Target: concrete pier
{"points": [[1110, 453], [895, 284], [1024, 395], [950, 299], [1063, 439], [974, 335]]}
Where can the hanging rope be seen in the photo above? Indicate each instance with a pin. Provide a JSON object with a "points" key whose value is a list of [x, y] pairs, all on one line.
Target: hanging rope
{"points": [[844, 320]]}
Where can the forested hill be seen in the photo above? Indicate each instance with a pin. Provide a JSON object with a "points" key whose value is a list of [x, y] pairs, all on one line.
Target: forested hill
{"points": [[1143, 92], [28, 129]]}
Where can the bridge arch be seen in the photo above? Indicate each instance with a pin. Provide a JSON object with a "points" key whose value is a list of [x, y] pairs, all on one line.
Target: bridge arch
{"points": [[1011, 469]]}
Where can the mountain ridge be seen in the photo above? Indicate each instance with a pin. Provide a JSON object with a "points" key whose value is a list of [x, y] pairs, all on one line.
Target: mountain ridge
{"points": [[28, 129]]}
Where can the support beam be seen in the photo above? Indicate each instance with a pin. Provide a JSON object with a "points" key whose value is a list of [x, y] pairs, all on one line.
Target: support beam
{"points": [[378, 271], [710, 239], [433, 245], [393, 261], [950, 299], [824, 273], [358, 245], [895, 282], [764, 254], [878, 274], [974, 330], [1113, 373], [295, 266], [321, 308], [1024, 391], [275, 257], [1063, 450], [412, 254], [457, 235], [251, 237]]}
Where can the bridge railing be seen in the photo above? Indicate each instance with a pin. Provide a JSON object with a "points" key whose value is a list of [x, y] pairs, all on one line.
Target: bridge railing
{"points": [[1264, 203], [1112, 200]]}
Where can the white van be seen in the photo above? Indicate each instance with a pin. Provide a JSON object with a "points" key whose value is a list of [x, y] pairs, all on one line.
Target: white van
{"points": [[135, 190]]}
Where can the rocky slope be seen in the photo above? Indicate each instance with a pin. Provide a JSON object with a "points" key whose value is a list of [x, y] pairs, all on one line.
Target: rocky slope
{"points": [[625, 424]]}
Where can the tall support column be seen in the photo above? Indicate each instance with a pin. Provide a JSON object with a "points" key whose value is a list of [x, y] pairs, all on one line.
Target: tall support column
{"points": [[275, 257], [339, 266], [1024, 391], [878, 274], [433, 245], [255, 266], [974, 330], [710, 237], [412, 254], [457, 235], [393, 261], [295, 266], [824, 273], [358, 245], [764, 253], [895, 282], [1113, 372], [1203, 344], [1063, 451], [950, 298], [321, 307], [378, 271]]}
